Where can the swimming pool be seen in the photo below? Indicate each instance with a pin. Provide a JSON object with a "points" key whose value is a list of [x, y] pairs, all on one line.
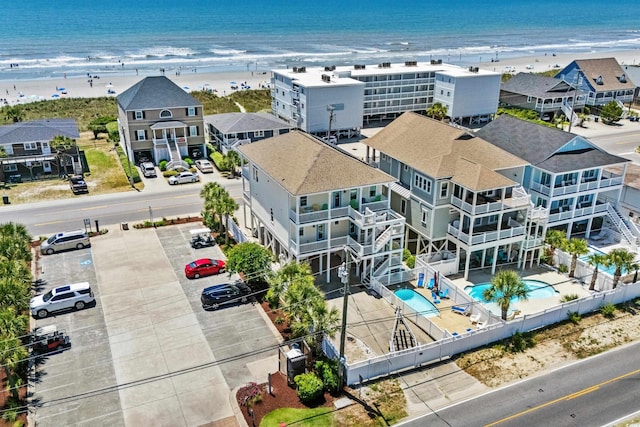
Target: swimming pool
{"points": [[611, 270], [417, 302], [536, 289]]}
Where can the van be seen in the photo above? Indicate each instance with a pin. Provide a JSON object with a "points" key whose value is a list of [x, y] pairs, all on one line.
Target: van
{"points": [[215, 296], [148, 169], [76, 295], [77, 239]]}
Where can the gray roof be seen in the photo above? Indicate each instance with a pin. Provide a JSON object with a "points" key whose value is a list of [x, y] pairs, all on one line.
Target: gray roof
{"points": [[38, 130], [535, 85], [304, 165], [245, 122], [539, 145], [154, 93]]}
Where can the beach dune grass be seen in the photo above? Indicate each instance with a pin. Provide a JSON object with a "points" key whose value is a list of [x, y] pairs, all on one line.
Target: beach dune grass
{"points": [[253, 101]]}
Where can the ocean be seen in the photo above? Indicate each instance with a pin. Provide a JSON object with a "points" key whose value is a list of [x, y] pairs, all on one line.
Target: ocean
{"points": [[49, 38]]}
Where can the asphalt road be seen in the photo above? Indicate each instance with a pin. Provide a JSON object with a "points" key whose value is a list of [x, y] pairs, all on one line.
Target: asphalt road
{"points": [[621, 144], [48, 217], [592, 392]]}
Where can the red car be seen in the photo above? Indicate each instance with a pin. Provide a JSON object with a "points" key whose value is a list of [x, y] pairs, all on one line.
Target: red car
{"points": [[203, 267]]}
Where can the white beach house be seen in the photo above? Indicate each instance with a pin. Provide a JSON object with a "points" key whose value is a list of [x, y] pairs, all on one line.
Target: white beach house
{"points": [[309, 201]]}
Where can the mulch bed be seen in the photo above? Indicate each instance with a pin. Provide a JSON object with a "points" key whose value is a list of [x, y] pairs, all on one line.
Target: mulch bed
{"points": [[283, 397], [282, 327], [4, 397]]}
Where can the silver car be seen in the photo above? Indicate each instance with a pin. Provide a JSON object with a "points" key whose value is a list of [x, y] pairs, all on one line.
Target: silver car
{"points": [[205, 166], [183, 178], [76, 295]]}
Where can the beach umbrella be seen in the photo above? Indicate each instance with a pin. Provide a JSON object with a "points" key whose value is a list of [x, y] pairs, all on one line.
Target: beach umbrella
{"points": [[233, 83], [185, 87], [61, 89], [55, 95]]}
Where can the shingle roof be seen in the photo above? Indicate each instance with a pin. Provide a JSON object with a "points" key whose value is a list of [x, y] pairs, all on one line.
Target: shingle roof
{"points": [[245, 122], [535, 85], [38, 130], [155, 92], [539, 144], [610, 71], [304, 165], [442, 151]]}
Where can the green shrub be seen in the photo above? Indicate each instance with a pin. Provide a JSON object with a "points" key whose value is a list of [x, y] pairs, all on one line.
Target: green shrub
{"points": [[188, 161], [309, 387], [328, 373], [519, 342], [127, 165], [569, 297], [279, 320], [219, 161], [112, 130], [574, 317], [249, 394], [562, 268], [608, 311], [167, 174], [411, 261], [162, 164], [406, 253]]}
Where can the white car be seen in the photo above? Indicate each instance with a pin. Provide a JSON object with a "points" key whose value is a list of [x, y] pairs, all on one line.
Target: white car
{"points": [[183, 178], [205, 166], [331, 139], [76, 295]]}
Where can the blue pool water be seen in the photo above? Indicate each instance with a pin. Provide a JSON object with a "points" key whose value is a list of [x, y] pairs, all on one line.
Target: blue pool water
{"points": [[601, 268], [536, 288], [417, 302]]}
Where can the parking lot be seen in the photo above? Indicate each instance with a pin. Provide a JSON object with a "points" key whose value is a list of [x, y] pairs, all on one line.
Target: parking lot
{"points": [[147, 353]]}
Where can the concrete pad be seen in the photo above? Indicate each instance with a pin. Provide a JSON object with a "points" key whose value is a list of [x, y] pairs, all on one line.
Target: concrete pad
{"points": [[148, 392], [118, 302], [132, 334], [140, 345], [135, 368], [119, 323], [160, 413], [199, 378], [206, 404], [169, 310], [199, 354], [261, 368]]}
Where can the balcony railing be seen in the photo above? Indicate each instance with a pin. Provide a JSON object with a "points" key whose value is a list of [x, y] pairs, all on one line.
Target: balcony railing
{"points": [[484, 237], [476, 209], [575, 188], [319, 246], [567, 213], [532, 242]]}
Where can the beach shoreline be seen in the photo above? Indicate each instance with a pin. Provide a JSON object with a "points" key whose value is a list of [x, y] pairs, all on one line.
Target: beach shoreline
{"points": [[17, 92]]}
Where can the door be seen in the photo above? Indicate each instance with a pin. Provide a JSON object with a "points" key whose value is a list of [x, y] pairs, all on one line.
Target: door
{"points": [[46, 167], [46, 148], [320, 232], [337, 199], [62, 301]]}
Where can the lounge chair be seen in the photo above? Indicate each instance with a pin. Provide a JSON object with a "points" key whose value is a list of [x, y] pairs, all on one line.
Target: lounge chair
{"points": [[444, 294], [460, 310], [431, 284], [600, 236], [434, 297], [475, 318], [421, 280]]}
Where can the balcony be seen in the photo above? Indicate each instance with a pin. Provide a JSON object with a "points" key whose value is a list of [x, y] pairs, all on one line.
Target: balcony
{"points": [[318, 246], [486, 205], [565, 188], [490, 234], [565, 212]]}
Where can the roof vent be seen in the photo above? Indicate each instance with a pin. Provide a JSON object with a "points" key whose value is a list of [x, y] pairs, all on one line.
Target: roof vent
{"points": [[411, 63], [436, 61], [299, 69], [326, 78], [359, 67], [330, 68], [474, 69], [385, 65]]}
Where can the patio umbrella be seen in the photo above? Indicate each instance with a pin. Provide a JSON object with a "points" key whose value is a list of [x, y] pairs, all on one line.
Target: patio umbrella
{"points": [[60, 89], [185, 87], [55, 95], [233, 83]]}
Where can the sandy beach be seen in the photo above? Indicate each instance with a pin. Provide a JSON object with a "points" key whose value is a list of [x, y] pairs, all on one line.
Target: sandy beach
{"points": [[23, 91]]}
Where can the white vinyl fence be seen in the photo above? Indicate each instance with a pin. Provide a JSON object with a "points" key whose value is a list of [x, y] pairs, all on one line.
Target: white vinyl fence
{"points": [[235, 230]]}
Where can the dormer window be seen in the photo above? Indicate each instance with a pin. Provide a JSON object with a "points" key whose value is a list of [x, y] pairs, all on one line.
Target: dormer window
{"points": [[599, 80], [165, 114], [622, 78]]}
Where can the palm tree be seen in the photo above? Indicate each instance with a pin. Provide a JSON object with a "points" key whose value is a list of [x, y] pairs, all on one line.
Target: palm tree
{"points": [[12, 357], [211, 192], [14, 294], [555, 239], [14, 241], [437, 111], [505, 285], [11, 323], [225, 206], [622, 259], [322, 320], [575, 247], [595, 260], [279, 282]]}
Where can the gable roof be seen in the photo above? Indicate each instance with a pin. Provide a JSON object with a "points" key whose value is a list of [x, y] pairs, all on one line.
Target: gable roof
{"points": [[539, 145], [155, 92], [245, 122], [304, 165], [442, 151], [607, 68], [536, 85], [38, 130]]}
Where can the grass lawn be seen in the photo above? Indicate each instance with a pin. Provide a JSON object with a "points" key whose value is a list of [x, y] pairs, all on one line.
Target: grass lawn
{"points": [[313, 417]]}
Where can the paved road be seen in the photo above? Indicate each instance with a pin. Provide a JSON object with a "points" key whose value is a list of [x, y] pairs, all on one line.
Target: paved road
{"points": [[592, 392], [47, 217], [622, 144]]}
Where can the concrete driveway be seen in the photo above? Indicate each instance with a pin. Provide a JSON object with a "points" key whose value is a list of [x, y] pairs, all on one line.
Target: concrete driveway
{"points": [[169, 362]]}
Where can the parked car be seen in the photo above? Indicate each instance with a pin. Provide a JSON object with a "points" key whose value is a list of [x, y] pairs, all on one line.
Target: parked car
{"points": [[148, 169], [77, 239], [330, 139], [201, 237], [78, 184], [76, 295], [204, 166], [183, 178], [229, 293], [203, 267]]}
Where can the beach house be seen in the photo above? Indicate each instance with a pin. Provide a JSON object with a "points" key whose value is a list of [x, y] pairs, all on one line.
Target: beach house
{"points": [[338, 100], [158, 120], [227, 131], [567, 174], [32, 153], [309, 201], [461, 195]]}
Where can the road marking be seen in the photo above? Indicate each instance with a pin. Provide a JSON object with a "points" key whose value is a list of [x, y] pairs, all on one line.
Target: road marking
{"points": [[567, 397]]}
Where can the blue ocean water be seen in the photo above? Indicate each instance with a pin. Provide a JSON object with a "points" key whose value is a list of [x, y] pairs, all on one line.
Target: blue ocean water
{"points": [[47, 38]]}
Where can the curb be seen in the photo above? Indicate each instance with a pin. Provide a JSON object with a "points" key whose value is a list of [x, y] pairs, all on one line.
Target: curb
{"points": [[236, 408]]}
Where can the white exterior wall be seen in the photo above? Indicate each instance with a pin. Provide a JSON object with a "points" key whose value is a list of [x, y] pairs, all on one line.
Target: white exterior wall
{"points": [[467, 95], [316, 99], [266, 195]]}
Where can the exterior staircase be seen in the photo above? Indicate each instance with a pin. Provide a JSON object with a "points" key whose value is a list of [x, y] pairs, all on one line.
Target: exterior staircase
{"points": [[176, 160], [624, 109], [570, 114], [618, 221]]}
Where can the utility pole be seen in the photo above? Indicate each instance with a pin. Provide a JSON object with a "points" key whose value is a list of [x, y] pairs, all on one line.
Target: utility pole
{"points": [[343, 273], [330, 109]]}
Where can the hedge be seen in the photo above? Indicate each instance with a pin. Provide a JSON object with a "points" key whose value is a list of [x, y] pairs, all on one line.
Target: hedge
{"points": [[131, 167], [218, 160]]}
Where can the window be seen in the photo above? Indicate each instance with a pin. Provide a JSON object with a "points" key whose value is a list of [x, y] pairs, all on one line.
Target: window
{"points": [[301, 232], [529, 99], [140, 135], [422, 183], [303, 201], [255, 174], [424, 218], [493, 219], [138, 115], [444, 190], [403, 206], [165, 114], [405, 167], [191, 111], [258, 134], [372, 191], [193, 130], [30, 145], [10, 168]]}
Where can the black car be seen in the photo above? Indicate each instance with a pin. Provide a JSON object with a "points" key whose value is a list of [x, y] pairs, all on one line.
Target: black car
{"points": [[228, 293]]}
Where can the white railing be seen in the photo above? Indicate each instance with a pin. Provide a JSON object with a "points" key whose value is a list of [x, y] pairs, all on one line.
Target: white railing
{"points": [[476, 209], [235, 231], [617, 220], [541, 188], [485, 237]]}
